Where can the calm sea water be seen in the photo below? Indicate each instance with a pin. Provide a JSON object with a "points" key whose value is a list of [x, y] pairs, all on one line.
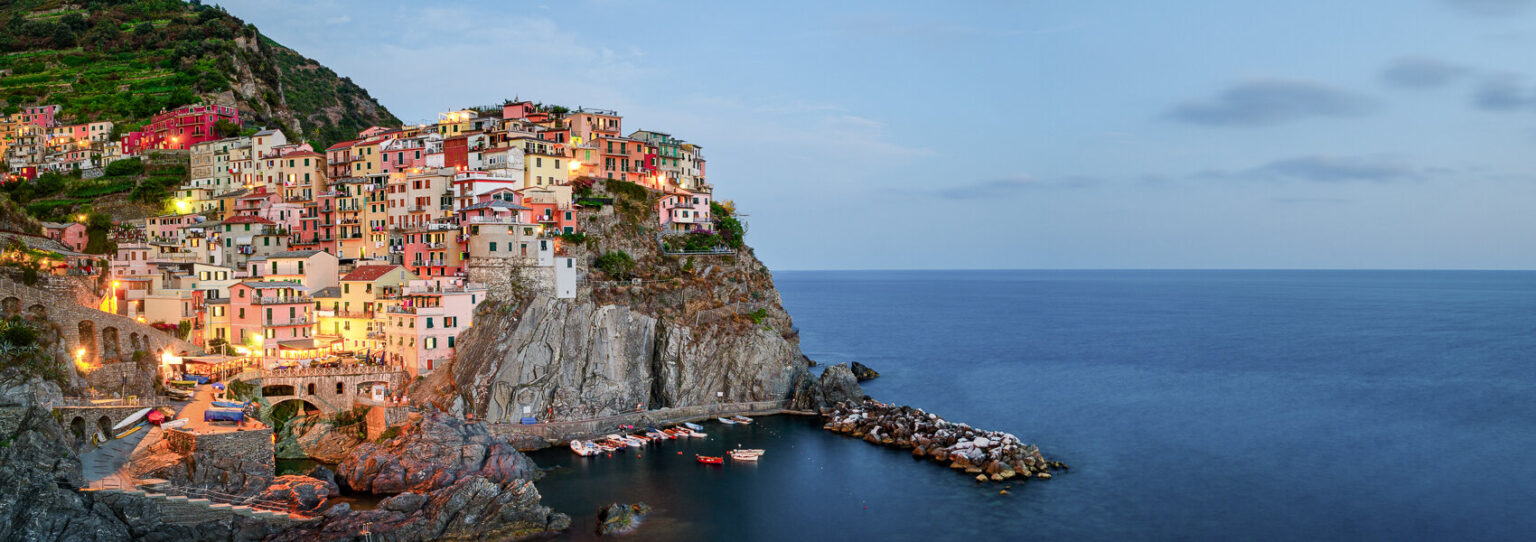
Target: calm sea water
{"points": [[1190, 404]]}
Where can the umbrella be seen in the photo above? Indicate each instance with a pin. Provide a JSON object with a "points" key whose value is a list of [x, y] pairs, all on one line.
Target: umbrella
{"points": [[219, 386]]}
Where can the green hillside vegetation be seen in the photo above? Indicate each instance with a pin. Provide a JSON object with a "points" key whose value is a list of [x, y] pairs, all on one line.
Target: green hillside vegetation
{"points": [[58, 197], [125, 60]]}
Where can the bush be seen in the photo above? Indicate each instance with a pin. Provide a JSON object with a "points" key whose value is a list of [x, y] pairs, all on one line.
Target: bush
{"points": [[617, 264], [574, 238], [731, 231], [758, 315], [126, 166]]}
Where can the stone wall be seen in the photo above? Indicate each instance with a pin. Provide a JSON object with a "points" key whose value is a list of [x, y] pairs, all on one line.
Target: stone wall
{"points": [[105, 336], [236, 462]]}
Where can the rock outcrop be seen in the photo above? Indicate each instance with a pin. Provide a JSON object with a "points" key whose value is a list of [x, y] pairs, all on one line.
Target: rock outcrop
{"points": [[990, 455], [863, 372], [620, 518], [306, 495], [433, 451], [472, 508], [836, 384], [587, 360]]}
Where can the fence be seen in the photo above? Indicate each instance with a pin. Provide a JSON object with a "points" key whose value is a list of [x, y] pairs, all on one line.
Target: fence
{"points": [[130, 401], [564, 430]]}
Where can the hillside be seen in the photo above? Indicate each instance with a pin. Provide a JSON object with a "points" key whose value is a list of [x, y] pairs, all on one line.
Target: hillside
{"points": [[124, 60]]}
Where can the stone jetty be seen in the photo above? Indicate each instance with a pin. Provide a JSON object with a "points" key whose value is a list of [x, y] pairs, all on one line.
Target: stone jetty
{"points": [[989, 455]]}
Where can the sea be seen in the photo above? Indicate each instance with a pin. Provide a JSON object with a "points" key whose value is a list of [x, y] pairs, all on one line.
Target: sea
{"points": [[1190, 405]]}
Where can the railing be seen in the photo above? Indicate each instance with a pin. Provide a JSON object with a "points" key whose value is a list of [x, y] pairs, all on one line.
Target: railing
{"points": [[281, 300], [665, 416], [129, 401], [330, 371], [290, 322]]}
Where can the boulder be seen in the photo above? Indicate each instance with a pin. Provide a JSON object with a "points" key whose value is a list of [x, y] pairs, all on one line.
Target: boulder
{"points": [[863, 372], [302, 493], [619, 518], [433, 451]]}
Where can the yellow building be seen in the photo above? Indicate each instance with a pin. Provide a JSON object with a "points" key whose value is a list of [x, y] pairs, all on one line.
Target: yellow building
{"points": [[356, 310]]}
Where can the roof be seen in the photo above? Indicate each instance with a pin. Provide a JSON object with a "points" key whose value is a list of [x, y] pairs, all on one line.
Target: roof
{"points": [[294, 254], [369, 272], [328, 292], [499, 204], [266, 132], [342, 145]]}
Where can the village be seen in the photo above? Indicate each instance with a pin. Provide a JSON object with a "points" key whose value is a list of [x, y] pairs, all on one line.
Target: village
{"points": [[372, 252]]}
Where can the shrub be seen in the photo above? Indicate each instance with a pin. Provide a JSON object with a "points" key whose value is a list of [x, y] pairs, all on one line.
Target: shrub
{"points": [[758, 315], [617, 264], [126, 166], [574, 238]]}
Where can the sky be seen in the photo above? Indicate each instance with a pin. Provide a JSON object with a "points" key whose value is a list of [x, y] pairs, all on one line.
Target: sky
{"points": [[1370, 134]]}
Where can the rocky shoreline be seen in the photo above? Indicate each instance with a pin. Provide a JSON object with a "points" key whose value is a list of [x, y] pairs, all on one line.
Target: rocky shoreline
{"points": [[990, 455]]}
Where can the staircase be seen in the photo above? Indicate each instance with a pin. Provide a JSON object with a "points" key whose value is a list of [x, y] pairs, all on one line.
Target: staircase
{"points": [[195, 506]]}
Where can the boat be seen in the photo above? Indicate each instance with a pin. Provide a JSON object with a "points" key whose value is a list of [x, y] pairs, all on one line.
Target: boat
{"points": [[693, 426], [744, 455], [752, 451], [585, 448], [632, 441], [230, 404], [130, 420], [728, 421], [178, 422], [656, 434], [130, 431], [741, 419], [710, 460]]}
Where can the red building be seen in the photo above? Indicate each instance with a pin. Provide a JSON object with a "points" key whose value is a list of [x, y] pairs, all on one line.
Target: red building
{"points": [[41, 115], [456, 152], [181, 128]]}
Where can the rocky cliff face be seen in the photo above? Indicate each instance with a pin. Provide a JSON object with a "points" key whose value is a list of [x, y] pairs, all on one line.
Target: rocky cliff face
{"points": [[585, 360]]}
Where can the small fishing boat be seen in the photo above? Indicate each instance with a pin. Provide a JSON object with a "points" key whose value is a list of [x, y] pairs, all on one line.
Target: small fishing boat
{"points": [[710, 460], [693, 426], [585, 448], [752, 451], [130, 431], [741, 419], [130, 420], [728, 421], [656, 434], [743, 455], [178, 422]]}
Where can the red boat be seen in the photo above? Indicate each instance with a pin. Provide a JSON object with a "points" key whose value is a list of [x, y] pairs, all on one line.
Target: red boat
{"points": [[710, 460]]}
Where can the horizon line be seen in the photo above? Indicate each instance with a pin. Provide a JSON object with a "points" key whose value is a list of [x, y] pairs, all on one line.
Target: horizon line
{"points": [[1376, 269]]}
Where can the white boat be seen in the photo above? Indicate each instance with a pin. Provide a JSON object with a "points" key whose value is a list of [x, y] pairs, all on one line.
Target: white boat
{"points": [[750, 451], [728, 421], [744, 455], [130, 420], [178, 422], [741, 419], [693, 426], [584, 448]]}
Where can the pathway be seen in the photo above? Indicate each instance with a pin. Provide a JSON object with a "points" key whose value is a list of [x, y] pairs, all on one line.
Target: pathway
{"points": [[105, 464]]}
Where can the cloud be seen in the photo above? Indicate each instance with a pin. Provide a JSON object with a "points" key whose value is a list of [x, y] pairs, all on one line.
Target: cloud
{"points": [[1504, 92], [1266, 102], [1489, 8], [1422, 72], [1332, 169], [1004, 188]]}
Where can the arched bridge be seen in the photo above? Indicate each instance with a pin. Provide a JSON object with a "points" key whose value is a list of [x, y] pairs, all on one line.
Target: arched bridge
{"points": [[329, 390]]}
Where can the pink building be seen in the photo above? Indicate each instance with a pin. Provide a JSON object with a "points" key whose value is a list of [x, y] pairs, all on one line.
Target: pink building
{"points": [[70, 234], [182, 127], [41, 115], [422, 330], [265, 315], [681, 210]]}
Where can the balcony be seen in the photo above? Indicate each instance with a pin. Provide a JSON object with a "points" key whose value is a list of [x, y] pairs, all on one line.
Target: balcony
{"points": [[290, 322], [281, 300]]}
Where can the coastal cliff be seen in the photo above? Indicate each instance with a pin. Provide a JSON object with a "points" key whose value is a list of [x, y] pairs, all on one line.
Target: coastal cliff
{"points": [[677, 330]]}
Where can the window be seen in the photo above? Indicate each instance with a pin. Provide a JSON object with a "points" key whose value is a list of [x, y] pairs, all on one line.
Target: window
{"points": [[242, 312], [291, 313], [493, 246], [339, 388]]}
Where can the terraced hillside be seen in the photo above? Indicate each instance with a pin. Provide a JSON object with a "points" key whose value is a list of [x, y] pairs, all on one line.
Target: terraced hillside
{"points": [[124, 60]]}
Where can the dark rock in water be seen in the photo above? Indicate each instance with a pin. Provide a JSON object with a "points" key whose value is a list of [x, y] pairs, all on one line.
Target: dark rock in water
{"points": [[989, 455], [836, 384], [303, 493], [863, 372], [620, 518], [325, 475], [433, 451]]}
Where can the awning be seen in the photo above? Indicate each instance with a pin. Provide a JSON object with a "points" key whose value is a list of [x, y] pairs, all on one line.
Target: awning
{"points": [[306, 344]]}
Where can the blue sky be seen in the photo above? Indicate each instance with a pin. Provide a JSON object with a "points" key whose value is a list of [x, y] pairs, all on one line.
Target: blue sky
{"points": [[1083, 134]]}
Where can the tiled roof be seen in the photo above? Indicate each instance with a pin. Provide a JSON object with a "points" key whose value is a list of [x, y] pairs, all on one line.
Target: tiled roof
{"points": [[499, 204], [369, 272], [295, 254], [247, 220]]}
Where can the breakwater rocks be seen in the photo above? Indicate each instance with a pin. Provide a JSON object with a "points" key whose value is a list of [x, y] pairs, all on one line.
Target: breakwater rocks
{"points": [[989, 455], [619, 518]]}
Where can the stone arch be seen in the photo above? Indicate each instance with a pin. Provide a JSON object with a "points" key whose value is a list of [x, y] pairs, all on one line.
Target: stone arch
{"points": [[37, 312], [133, 341], [109, 345], [11, 306], [78, 427], [306, 407], [105, 424], [87, 337], [277, 390]]}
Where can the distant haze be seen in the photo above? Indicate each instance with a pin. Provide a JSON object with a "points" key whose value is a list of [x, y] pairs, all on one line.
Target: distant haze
{"points": [[1085, 134]]}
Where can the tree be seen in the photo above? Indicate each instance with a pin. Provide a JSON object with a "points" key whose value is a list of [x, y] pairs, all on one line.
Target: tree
{"points": [[226, 128], [98, 228], [617, 264], [63, 37]]}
